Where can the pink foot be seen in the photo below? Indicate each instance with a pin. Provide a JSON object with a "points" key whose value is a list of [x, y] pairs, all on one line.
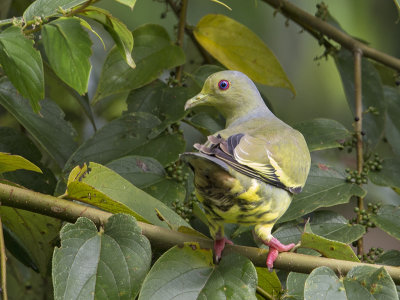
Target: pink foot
{"points": [[275, 247], [219, 245]]}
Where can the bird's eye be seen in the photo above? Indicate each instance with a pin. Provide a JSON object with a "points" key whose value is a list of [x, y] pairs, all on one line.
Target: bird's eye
{"points": [[223, 84]]}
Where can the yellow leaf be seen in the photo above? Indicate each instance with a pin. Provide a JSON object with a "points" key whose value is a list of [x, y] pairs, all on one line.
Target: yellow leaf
{"points": [[238, 48], [10, 163]]}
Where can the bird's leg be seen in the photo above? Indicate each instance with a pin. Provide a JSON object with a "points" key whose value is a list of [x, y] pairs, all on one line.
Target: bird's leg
{"points": [[219, 240], [263, 231]]}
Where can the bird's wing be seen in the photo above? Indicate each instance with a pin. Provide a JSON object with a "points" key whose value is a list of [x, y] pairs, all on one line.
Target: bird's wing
{"points": [[279, 160]]}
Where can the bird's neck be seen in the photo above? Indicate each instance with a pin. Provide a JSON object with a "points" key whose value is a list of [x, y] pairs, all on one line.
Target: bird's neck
{"points": [[237, 117]]}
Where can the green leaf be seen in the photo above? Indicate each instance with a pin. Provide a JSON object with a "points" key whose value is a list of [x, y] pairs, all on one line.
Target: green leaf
{"points": [[165, 148], [116, 139], [327, 224], [167, 191], [321, 134], [377, 281], [324, 187], [322, 283], [328, 248], [130, 3], [49, 129], [392, 124], [121, 196], [269, 281], [354, 290], [153, 52], [67, 47], [49, 8], [388, 219], [141, 171], [390, 258], [160, 100], [295, 286], [188, 273], [372, 92], [35, 231], [119, 32], [109, 264], [238, 48], [196, 79], [389, 175], [10, 162], [22, 64], [397, 3]]}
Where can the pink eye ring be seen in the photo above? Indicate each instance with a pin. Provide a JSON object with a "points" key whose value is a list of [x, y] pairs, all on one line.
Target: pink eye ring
{"points": [[223, 84]]}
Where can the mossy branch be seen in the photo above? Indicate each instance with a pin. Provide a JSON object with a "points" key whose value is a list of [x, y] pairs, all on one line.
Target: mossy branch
{"points": [[164, 238]]}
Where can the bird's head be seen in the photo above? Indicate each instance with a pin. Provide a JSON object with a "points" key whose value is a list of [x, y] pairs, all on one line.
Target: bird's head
{"points": [[230, 92]]}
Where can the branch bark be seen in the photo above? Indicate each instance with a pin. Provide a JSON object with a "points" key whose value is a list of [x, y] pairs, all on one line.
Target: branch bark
{"points": [[308, 21], [3, 260], [164, 238], [358, 129], [180, 36]]}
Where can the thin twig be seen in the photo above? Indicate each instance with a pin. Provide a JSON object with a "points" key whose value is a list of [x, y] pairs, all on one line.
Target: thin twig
{"points": [[307, 21], [358, 129], [180, 36], [207, 58], [164, 238], [3, 260], [264, 293]]}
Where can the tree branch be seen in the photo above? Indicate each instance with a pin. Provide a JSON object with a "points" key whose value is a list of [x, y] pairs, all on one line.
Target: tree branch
{"points": [[164, 238], [358, 130], [180, 36], [308, 21], [3, 260]]}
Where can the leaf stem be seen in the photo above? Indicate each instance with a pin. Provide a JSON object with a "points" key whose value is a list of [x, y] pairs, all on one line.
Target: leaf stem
{"points": [[180, 36], [3, 260], [308, 21], [358, 128], [164, 238], [264, 293]]}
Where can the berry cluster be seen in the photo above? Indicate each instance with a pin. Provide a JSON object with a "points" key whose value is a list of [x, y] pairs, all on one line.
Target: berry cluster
{"points": [[176, 172], [374, 164], [364, 215], [372, 255], [349, 144], [185, 210]]}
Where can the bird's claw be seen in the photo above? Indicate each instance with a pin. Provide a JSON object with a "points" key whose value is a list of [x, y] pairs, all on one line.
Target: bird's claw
{"points": [[275, 246], [219, 245]]}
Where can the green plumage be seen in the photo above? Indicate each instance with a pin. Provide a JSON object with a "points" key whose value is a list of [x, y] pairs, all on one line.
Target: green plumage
{"points": [[248, 172]]}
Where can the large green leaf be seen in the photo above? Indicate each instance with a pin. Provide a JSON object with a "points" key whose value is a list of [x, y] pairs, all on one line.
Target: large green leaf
{"points": [[15, 142], [36, 232], [160, 100], [322, 134], [295, 286], [49, 129], [389, 258], [110, 264], [328, 248], [372, 94], [392, 124], [130, 3], [10, 163], [149, 175], [119, 32], [165, 148], [324, 284], [153, 52], [188, 273], [116, 139], [67, 47], [22, 64], [120, 195], [388, 219], [324, 187], [327, 224], [48, 8], [389, 175], [238, 48], [376, 281]]}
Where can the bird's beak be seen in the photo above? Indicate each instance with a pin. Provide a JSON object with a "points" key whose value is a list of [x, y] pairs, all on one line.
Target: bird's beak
{"points": [[192, 102]]}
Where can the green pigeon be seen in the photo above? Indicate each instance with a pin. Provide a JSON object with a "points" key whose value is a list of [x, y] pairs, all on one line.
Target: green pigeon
{"points": [[248, 172]]}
